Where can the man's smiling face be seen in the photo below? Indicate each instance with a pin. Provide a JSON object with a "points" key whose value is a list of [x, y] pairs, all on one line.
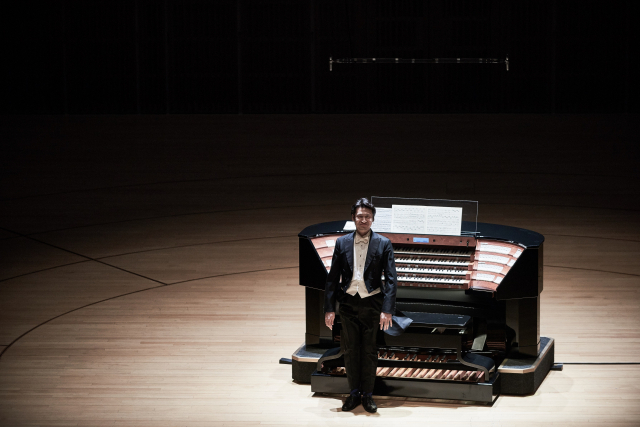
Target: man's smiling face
{"points": [[363, 219]]}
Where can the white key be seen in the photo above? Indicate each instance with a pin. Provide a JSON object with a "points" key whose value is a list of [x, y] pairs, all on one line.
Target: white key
{"points": [[431, 270], [430, 261], [431, 251], [431, 280]]}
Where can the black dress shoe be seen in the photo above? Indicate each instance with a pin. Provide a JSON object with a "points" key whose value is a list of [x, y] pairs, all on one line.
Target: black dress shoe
{"points": [[351, 403], [368, 404]]}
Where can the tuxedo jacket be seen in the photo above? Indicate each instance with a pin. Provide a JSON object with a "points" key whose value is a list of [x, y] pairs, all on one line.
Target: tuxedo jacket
{"points": [[379, 260]]}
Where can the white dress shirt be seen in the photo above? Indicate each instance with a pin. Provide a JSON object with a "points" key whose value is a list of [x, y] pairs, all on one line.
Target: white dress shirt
{"points": [[360, 249]]}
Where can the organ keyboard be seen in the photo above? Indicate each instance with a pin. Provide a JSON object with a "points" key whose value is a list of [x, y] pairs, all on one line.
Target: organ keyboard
{"points": [[474, 302], [422, 363], [483, 262]]}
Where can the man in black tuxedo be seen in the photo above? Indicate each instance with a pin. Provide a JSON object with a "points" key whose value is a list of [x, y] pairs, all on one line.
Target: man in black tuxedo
{"points": [[366, 302]]}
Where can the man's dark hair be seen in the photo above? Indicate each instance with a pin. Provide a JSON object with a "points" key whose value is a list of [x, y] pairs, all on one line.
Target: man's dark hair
{"points": [[363, 203]]}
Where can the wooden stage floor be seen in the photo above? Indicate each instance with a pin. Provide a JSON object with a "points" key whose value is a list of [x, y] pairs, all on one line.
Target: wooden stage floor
{"points": [[149, 265]]}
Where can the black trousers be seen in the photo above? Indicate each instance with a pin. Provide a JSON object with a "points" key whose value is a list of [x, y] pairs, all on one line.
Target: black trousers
{"points": [[360, 319]]}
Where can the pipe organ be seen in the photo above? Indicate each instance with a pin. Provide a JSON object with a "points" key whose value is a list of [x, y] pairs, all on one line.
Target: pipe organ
{"points": [[474, 302]]}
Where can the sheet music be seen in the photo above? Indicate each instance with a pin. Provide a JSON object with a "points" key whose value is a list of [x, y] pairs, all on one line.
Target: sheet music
{"points": [[383, 219], [349, 226], [443, 220], [409, 219]]}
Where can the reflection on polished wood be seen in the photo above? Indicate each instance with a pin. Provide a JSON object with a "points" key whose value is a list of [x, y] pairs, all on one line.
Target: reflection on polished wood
{"points": [[194, 351]]}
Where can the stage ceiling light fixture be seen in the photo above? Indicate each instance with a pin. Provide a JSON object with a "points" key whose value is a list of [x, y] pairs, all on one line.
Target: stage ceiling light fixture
{"points": [[418, 61]]}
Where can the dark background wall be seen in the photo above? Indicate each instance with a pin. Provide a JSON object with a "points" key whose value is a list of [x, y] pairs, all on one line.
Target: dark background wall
{"points": [[271, 56]]}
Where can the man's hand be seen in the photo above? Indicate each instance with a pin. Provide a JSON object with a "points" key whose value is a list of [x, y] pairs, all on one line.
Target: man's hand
{"points": [[329, 317], [385, 321]]}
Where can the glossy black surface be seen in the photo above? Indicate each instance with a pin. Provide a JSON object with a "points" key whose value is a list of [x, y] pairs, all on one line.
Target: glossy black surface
{"points": [[485, 392], [525, 237]]}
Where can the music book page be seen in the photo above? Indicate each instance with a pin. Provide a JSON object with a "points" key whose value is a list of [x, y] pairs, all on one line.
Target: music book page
{"points": [[382, 221], [409, 219], [443, 220]]}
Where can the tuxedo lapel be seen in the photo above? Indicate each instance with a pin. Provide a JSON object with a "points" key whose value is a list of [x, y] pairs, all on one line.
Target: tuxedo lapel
{"points": [[348, 246], [373, 248]]}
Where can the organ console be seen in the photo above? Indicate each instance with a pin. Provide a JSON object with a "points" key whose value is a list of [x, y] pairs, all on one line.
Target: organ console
{"points": [[474, 302]]}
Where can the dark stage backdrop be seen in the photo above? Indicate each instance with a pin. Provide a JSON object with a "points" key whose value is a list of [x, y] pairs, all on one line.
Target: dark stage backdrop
{"points": [[271, 56]]}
